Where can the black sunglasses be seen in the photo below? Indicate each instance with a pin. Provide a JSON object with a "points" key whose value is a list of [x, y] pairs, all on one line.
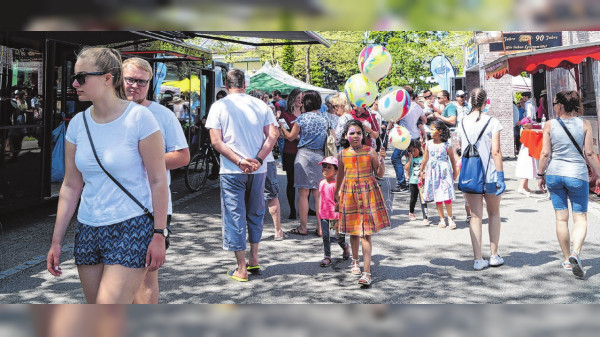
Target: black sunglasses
{"points": [[132, 81], [461, 96], [427, 96], [80, 77]]}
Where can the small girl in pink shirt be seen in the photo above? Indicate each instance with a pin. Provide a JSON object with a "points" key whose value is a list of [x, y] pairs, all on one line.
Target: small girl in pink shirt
{"points": [[327, 213]]}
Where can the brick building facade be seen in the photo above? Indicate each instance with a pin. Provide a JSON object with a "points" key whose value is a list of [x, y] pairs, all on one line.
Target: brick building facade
{"points": [[500, 91]]}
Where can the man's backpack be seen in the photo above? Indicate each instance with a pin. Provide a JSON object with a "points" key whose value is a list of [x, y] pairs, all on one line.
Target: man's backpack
{"points": [[472, 173]]}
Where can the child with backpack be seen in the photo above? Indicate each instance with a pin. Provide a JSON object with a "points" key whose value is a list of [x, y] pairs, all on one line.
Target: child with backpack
{"points": [[413, 170], [327, 213], [438, 168], [482, 176]]}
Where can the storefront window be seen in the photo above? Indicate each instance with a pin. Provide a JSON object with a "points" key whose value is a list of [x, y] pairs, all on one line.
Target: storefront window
{"points": [[558, 80]]}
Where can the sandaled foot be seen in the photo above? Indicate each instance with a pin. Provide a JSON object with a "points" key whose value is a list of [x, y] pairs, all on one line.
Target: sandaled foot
{"points": [[365, 279], [442, 224], [254, 270], [326, 262], [317, 233], [236, 278], [280, 237], [297, 231], [567, 266], [355, 267]]}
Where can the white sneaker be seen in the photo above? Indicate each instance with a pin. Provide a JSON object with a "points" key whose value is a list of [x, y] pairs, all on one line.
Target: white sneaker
{"points": [[496, 260], [426, 222], [480, 264]]}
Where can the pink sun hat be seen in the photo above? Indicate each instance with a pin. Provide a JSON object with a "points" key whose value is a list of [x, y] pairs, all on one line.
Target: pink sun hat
{"points": [[329, 160]]}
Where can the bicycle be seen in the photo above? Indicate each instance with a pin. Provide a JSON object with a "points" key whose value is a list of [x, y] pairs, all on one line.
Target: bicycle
{"points": [[203, 166]]}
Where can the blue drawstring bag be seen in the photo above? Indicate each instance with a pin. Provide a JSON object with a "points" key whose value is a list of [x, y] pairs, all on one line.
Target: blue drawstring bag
{"points": [[57, 174], [472, 173]]}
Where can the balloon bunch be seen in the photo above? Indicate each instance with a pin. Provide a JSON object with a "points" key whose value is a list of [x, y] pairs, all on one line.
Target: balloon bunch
{"points": [[374, 62]]}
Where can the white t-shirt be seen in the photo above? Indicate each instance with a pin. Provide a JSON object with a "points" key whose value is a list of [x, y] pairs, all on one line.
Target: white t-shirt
{"points": [[485, 143], [172, 134], [530, 110], [117, 145], [241, 118], [410, 120]]}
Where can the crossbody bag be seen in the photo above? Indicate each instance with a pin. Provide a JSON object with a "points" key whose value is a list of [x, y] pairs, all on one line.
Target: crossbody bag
{"points": [[576, 145], [146, 211], [329, 148]]}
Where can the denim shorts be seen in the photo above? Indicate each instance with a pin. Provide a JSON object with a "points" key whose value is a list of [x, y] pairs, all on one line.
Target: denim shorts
{"points": [[576, 190], [124, 243], [271, 184], [242, 209]]}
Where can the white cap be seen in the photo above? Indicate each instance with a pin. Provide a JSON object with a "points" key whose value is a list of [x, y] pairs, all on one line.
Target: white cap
{"points": [[460, 93]]}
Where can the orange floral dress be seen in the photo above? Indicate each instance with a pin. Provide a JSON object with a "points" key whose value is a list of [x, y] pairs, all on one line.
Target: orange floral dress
{"points": [[362, 208]]}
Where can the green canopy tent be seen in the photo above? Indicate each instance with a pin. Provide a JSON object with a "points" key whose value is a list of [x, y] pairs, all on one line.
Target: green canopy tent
{"points": [[267, 84], [269, 78]]}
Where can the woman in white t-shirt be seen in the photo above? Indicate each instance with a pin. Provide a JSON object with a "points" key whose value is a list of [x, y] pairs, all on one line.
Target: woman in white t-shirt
{"points": [[116, 241], [489, 151]]}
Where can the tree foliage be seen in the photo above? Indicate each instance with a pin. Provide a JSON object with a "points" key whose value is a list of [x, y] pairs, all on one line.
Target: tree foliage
{"points": [[331, 67], [413, 50]]}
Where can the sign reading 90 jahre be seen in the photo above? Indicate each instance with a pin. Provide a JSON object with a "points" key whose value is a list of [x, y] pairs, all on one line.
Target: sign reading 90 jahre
{"points": [[528, 41]]}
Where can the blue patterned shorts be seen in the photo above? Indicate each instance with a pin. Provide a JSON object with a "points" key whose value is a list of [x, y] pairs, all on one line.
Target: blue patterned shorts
{"points": [[124, 243]]}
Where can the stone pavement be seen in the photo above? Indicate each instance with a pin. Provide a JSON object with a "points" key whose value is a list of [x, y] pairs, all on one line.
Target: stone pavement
{"points": [[411, 263]]}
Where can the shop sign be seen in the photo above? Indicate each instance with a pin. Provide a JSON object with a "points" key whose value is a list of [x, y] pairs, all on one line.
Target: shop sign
{"points": [[528, 41], [497, 69], [472, 55]]}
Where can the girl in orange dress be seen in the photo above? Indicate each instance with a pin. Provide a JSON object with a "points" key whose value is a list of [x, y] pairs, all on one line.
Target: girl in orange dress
{"points": [[362, 209]]}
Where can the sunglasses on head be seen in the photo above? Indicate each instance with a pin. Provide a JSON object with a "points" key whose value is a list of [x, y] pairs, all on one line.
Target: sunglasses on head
{"points": [[80, 77], [131, 81]]}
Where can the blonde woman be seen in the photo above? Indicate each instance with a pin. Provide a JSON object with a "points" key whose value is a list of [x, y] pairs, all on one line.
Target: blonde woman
{"points": [[116, 242]]}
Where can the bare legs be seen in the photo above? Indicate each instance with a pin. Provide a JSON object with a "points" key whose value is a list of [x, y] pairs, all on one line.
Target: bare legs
{"points": [[303, 194], [106, 284], [493, 208], [562, 231], [148, 292], [275, 211], [367, 249]]}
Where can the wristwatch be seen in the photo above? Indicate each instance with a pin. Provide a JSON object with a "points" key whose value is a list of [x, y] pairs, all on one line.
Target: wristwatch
{"points": [[163, 231], [259, 160]]}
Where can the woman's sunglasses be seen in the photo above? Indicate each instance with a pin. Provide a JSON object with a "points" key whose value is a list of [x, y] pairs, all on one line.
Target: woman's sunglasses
{"points": [[80, 77]]}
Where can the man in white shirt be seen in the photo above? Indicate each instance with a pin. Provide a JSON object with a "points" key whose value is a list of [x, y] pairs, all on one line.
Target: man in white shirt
{"points": [[242, 130], [137, 74], [529, 108]]}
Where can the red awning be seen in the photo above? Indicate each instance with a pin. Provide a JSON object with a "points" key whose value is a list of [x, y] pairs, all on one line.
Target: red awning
{"points": [[547, 59]]}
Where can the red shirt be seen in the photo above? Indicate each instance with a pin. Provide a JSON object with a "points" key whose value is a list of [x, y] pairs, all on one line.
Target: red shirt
{"points": [[367, 116], [290, 147]]}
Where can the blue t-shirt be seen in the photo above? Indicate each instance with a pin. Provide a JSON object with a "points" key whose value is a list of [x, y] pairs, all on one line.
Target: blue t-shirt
{"points": [[313, 130]]}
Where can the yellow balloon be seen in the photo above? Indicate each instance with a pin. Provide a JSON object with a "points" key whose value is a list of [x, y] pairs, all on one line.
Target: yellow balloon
{"points": [[400, 137]]}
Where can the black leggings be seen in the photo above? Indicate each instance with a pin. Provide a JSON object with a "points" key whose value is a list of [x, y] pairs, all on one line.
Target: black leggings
{"points": [[414, 195], [290, 191]]}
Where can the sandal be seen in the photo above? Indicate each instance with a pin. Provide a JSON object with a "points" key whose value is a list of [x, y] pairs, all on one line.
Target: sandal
{"points": [[365, 279], [297, 231], [567, 266], [317, 232], [346, 254], [254, 270], [279, 238], [326, 262], [355, 270], [442, 224]]}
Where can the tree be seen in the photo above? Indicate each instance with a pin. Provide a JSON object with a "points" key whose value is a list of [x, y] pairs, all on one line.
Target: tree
{"points": [[413, 50], [287, 61]]}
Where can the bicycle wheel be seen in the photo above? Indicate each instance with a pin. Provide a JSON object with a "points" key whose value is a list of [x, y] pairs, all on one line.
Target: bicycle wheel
{"points": [[196, 173]]}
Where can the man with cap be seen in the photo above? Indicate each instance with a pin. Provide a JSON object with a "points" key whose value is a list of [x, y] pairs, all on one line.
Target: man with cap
{"points": [[462, 108]]}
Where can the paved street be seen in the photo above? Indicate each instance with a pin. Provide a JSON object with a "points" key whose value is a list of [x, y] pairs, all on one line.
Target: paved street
{"points": [[411, 263]]}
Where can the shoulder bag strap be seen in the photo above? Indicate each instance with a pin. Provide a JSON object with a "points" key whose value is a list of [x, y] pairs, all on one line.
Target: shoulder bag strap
{"points": [[570, 137], [146, 211]]}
